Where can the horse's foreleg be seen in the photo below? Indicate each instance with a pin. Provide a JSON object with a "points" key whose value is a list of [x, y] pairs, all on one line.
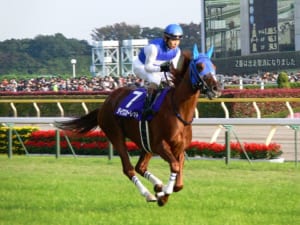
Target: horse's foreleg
{"points": [[169, 187], [176, 179], [175, 182], [163, 196], [179, 179]]}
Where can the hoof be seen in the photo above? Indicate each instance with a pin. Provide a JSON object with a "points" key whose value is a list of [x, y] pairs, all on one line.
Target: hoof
{"points": [[158, 188], [178, 188], [151, 198], [162, 200]]}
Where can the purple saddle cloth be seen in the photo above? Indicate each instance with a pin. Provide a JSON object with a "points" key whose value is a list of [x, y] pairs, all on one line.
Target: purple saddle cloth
{"points": [[133, 104]]}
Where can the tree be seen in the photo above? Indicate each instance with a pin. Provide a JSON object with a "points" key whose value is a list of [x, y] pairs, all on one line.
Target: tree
{"points": [[49, 54], [283, 80], [123, 31], [118, 31], [151, 33], [191, 35]]}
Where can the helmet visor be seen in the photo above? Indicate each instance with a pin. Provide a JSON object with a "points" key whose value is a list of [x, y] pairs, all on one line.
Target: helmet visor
{"points": [[173, 37]]}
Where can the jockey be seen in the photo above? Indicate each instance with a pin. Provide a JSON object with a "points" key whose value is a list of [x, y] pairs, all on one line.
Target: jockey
{"points": [[155, 58]]}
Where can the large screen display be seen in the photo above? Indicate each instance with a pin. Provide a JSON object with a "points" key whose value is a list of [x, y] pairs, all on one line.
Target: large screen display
{"points": [[263, 26]]}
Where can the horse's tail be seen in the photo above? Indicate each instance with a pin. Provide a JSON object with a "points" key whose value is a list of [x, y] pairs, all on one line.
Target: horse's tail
{"points": [[82, 124]]}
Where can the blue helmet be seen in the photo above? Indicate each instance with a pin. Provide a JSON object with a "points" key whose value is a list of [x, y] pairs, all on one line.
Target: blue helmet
{"points": [[173, 31]]}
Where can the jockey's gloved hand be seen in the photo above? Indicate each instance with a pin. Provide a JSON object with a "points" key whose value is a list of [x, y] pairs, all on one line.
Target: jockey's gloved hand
{"points": [[165, 67]]}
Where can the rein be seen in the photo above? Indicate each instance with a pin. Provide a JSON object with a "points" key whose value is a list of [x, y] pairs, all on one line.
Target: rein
{"points": [[167, 80], [197, 83], [177, 114]]}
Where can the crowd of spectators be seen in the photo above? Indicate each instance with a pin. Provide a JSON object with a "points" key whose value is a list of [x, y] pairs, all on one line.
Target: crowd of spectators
{"points": [[81, 84], [108, 83], [255, 79]]}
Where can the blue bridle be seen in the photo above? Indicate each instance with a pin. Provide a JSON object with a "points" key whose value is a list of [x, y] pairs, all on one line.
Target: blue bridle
{"points": [[196, 77]]}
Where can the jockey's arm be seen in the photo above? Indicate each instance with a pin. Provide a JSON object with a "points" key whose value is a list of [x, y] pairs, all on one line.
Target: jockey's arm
{"points": [[150, 63]]}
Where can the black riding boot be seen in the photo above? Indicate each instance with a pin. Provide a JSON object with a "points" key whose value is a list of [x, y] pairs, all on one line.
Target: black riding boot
{"points": [[148, 105]]}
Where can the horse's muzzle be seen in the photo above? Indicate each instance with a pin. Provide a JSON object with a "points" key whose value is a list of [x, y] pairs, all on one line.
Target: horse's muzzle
{"points": [[211, 94]]}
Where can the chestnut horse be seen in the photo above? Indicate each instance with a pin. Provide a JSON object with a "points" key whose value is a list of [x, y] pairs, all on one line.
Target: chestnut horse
{"points": [[170, 130]]}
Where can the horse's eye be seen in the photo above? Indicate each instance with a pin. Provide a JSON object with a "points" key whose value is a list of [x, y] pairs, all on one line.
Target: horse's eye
{"points": [[200, 67]]}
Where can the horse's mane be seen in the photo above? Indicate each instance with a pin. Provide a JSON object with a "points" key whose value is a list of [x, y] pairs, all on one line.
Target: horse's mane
{"points": [[183, 64]]}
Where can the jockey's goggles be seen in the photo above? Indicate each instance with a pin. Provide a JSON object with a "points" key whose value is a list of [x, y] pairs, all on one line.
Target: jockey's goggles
{"points": [[173, 37]]}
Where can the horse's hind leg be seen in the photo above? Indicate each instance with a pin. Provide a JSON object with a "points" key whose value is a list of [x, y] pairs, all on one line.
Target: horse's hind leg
{"points": [[112, 128], [128, 170], [142, 168]]}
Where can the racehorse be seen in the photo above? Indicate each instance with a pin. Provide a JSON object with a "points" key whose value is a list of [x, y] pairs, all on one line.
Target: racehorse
{"points": [[170, 130]]}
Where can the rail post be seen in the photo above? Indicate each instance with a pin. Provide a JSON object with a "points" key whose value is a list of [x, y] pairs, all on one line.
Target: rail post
{"points": [[9, 141], [110, 151], [227, 143], [296, 146], [296, 128], [57, 140]]}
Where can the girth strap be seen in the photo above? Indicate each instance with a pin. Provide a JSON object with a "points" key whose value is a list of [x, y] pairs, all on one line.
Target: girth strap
{"points": [[145, 138]]}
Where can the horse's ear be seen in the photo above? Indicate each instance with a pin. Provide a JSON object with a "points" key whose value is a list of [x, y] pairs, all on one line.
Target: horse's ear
{"points": [[210, 52], [195, 52]]}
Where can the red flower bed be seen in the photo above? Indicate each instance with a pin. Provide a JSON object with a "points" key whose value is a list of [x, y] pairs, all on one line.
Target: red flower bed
{"points": [[93, 143], [96, 143], [245, 109]]}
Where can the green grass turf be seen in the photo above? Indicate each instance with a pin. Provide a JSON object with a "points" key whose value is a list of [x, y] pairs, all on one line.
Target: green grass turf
{"points": [[45, 190]]}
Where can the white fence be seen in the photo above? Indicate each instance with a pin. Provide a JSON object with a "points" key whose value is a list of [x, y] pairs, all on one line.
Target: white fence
{"points": [[226, 123], [83, 102]]}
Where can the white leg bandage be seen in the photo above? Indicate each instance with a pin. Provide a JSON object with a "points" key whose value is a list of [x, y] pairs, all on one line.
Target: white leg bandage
{"points": [[143, 190], [153, 179], [168, 189]]}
